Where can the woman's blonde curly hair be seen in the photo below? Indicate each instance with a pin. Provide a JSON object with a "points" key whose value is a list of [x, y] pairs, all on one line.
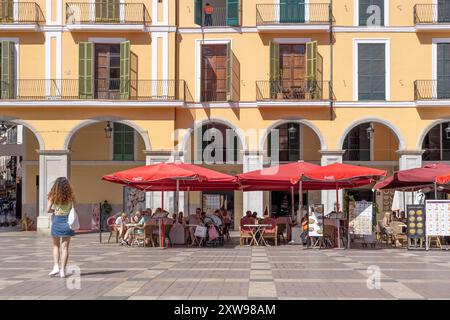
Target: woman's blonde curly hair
{"points": [[61, 192]]}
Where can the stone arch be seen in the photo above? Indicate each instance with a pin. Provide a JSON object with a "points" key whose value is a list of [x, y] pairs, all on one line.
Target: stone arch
{"points": [[427, 129], [394, 129], [198, 124], [143, 133], [18, 121], [316, 130]]}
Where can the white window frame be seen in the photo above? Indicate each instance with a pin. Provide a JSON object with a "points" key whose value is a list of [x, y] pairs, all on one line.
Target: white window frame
{"points": [[198, 61], [277, 13], [387, 61], [356, 15]]}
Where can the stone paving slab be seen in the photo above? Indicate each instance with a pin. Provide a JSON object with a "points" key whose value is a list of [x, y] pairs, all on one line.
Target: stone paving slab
{"points": [[113, 272]]}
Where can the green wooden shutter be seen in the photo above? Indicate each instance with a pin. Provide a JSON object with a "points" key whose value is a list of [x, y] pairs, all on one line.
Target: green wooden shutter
{"points": [[371, 71], [274, 69], [233, 12], [123, 146], [125, 70], [6, 10], [86, 70], [229, 72], [7, 69], [198, 12], [311, 60]]}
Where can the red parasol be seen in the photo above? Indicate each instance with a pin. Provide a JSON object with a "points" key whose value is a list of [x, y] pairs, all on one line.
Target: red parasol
{"points": [[413, 179]]}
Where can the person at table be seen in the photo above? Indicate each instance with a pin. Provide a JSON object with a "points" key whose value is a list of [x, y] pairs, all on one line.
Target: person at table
{"points": [[120, 223], [248, 218], [132, 230], [304, 225]]}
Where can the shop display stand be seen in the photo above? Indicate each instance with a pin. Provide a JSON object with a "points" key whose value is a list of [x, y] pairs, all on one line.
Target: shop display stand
{"points": [[317, 242]]}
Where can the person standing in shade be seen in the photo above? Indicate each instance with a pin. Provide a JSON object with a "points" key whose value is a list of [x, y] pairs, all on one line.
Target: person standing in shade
{"points": [[60, 201], [208, 10]]}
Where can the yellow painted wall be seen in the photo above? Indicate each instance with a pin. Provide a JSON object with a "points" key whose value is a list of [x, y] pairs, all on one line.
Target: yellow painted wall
{"points": [[385, 144]]}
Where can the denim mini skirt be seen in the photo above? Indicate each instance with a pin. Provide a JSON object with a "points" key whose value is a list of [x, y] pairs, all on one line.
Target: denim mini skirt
{"points": [[60, 227]]}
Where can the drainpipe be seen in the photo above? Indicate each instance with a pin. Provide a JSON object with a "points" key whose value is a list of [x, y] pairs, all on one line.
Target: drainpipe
{"points": [[330, 13]]}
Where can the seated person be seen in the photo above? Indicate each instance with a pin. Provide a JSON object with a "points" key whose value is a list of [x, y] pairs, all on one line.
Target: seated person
{"points": [[304, 235], [120, 224], [139, 228]]}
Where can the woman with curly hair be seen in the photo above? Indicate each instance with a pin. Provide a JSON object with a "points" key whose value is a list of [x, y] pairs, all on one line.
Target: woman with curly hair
{"points": [[60, 202]]}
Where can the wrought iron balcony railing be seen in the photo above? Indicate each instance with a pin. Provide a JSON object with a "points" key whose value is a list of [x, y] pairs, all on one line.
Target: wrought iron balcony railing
{"points": [[298, 90], [105, 13], [98, 89], [432, 13], [432, 89], [20, 13], [313, 13]]}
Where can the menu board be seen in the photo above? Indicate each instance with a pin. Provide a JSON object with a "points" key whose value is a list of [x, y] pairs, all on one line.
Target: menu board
{"points": [[315, 220], [360, 214], [416, 221], [438, 217], [211, 202]]}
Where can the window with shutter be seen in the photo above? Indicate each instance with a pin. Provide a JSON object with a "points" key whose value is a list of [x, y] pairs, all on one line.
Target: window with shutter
{"points": [[86, 70], [7, 69], [274, 69], [371, 71], [444, 11], [371, 12], [107, 10], [443, 70], [6, 11], [233, 12], [123, 142], [292, 11]]}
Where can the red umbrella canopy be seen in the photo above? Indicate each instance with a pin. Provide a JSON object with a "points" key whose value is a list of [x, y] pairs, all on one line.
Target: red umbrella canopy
{"points": [[279, 177], [414, 178], [344, 175], [443, 179], [165, 175]]}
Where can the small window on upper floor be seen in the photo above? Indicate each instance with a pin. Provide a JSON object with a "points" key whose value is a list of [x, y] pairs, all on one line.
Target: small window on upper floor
{"points": [[371, 13]]}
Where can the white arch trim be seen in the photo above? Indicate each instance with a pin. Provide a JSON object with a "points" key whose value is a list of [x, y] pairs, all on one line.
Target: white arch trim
{"points": [[262, 141], [427, 129], [400, 139], [37, 134], [198, 124], [84, 123]]}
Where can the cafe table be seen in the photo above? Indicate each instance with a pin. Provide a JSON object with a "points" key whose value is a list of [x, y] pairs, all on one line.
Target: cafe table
{"points": [[257, 232]]}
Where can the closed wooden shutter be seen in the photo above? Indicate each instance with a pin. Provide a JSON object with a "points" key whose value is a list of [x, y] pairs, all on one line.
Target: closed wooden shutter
{"points": [[233, 12], [311, 60], [125, 70], [292, 11], [8, 74], [198, 12], [107, 10], [123, 145], [86, 70], [443, 11], [371, 71], [443, 70], [364, 16], [6, 10], [274, 69]]}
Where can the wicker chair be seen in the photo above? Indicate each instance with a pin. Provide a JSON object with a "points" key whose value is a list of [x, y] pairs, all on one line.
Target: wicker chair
{"points": [[113, 229], [245, 232], [272, 231]]}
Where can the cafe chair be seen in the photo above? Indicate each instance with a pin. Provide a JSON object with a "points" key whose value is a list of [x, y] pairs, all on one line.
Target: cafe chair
{"points": [[245, 232], [112, 228], [272, 231]]}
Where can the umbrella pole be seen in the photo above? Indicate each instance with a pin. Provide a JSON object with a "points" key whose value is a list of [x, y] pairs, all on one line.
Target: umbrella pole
{"points": [[337, 216], [188, 201], [177, 196], [404, 202], [292, 202], [300, 198], [435, 191]]}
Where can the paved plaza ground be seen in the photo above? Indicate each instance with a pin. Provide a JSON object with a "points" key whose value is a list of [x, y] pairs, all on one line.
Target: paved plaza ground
{"points": [[109, 271]]}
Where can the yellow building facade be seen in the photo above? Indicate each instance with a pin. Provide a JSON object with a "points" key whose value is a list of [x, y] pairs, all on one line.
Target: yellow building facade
{"points": [[357, 81]]}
